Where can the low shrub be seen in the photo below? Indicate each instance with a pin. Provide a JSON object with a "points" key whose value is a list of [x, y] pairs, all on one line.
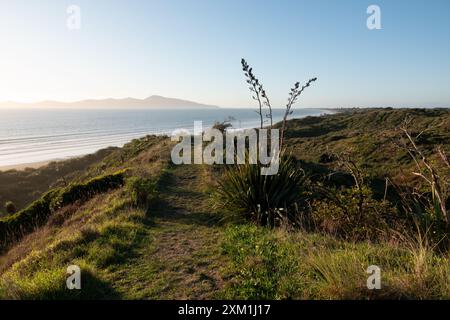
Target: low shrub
{"points": [[36, 214], [264, 199], [15, 226], [352, 214], [143, 192], [84, 191], [10, 207]]}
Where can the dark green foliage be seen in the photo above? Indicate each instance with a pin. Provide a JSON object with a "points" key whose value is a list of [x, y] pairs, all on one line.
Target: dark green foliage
{"points": [[85, 191], [353, 214], [10, 207], [422, 213], [264, 199], [15, 226], [24, 186]]}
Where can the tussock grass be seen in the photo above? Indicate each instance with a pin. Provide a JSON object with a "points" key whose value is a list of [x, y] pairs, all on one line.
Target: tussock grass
{"points": [[269, 264]]}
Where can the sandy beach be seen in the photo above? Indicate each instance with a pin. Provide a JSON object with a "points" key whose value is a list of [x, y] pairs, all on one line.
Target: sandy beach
{"points": [[24, 166]]}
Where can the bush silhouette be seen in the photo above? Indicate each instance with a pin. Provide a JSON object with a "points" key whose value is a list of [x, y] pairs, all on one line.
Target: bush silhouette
{"points": [[10, 207]]}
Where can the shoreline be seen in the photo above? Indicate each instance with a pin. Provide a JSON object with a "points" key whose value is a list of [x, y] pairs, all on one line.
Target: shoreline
{"points": [[40, 164], [24, 166]]}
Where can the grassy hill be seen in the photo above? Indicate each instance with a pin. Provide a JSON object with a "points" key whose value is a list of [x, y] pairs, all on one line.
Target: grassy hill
{"points": [[176, 243], [24, 186], [370, 135]]}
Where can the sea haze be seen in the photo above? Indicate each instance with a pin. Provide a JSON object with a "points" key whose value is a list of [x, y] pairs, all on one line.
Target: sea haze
{"points": [[36, 135]]}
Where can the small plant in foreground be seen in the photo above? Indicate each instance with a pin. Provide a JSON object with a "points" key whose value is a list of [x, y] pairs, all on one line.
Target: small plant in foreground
{"points": [[144, 192], [352, 214], [263, 265], [438, 182], [426, 203]]}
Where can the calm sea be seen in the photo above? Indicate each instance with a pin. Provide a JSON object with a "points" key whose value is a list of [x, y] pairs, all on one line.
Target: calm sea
{"points": [[28, 136]]}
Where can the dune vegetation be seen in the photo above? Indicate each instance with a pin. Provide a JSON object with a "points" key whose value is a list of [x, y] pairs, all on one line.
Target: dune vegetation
{"points": [[166, 231]]}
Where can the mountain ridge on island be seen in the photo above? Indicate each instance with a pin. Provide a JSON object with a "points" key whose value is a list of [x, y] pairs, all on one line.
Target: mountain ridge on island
{"points": [[151, 102]]}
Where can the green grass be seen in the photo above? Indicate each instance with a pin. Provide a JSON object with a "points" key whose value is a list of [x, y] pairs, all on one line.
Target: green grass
{"points": [[181, 251], [166, 251], [100, 245], [268, 264], [369, 133], [179, 247], [261, 268]]}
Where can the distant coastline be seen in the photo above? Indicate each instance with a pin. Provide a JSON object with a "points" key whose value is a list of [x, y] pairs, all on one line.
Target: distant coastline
{"points": [[52, 135], [151, 102]]}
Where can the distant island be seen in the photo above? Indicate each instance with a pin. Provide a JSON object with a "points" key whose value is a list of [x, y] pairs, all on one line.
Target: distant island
{"points": [[153, 101]]}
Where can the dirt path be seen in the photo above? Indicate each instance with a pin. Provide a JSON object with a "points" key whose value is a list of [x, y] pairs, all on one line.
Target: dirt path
{"points": [[180, 259]]}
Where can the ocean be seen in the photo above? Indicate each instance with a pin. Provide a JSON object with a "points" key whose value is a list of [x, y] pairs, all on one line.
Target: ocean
{"points": [[37, 135]]}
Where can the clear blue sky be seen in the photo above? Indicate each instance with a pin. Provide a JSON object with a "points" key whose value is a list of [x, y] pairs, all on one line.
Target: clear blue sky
{"points": [[192, 50]]}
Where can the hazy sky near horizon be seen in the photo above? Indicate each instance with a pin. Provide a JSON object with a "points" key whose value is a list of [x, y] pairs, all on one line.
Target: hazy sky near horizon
{"points": [[192, 49]]}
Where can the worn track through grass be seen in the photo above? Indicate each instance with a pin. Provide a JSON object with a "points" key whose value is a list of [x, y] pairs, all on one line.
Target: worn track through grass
{"points": [[180, 257]]}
